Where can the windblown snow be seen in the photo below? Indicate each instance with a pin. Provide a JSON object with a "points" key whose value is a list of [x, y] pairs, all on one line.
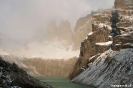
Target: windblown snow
{"points": [[45, 51]]}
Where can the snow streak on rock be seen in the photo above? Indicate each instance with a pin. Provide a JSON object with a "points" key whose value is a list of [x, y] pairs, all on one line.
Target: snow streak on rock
{"points": [[110, 68]]}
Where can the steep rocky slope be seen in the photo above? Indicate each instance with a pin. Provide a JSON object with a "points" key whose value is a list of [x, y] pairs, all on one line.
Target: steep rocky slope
{"points": [[82, 28], [11, 76], [19, 62], [100, 66], [109, 69], [91, 45]]}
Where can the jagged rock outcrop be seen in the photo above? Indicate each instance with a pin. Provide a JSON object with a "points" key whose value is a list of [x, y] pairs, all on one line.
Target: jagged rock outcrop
{"points": [[123, 41], [11, 76], [64, 32], [111, 66], [92, 44], [124, 4], [125, 10], [53, 33]]}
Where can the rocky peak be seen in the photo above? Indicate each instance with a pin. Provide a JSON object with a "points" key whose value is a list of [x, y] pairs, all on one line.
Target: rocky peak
{"points": [[51, 30], [64, 27], [65, 32], [81, 21]]}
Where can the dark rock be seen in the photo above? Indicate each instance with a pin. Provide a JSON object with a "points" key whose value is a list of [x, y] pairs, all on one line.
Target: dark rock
{"points": [[11, 75], [15, 67]]}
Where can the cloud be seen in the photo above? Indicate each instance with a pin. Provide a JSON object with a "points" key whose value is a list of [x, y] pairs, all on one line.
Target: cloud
{"points": [[19, 18]]}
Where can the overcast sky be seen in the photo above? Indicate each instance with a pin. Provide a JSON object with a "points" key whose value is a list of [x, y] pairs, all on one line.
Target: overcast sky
{"points": [[19, 18]]}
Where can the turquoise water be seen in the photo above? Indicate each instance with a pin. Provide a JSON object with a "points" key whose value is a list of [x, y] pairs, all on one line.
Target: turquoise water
{"points": [[60, 82]]}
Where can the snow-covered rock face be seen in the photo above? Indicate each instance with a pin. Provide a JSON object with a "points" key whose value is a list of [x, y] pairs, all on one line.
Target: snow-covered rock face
{"points": [[123, 41], [125, 10], [110, 68], [101, 21], [96, 41], [124, 4]]}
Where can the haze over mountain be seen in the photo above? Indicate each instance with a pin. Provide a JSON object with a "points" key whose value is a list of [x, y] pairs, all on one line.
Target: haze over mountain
{"points": [[24, 25], [22, 17]]}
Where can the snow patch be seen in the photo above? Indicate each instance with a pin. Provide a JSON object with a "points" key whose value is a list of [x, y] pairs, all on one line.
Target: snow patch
{"points": [[128, 44], [90, 33], [104, 43], [101, 25]]}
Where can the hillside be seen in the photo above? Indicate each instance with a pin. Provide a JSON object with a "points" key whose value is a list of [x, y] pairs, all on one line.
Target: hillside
{"points": [[50, 67], [11, 76], [106, 61]]}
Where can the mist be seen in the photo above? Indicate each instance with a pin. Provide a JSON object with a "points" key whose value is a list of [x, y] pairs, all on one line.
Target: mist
{"points": [[20, 18]]}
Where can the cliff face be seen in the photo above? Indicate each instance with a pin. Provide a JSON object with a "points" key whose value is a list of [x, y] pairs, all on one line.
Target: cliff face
{"points": [[100, 66], [11, 76], [92, 44], [51, 67]]}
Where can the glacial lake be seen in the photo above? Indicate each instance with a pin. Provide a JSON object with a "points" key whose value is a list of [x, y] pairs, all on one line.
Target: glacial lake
{"points": [[61, 82]]}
